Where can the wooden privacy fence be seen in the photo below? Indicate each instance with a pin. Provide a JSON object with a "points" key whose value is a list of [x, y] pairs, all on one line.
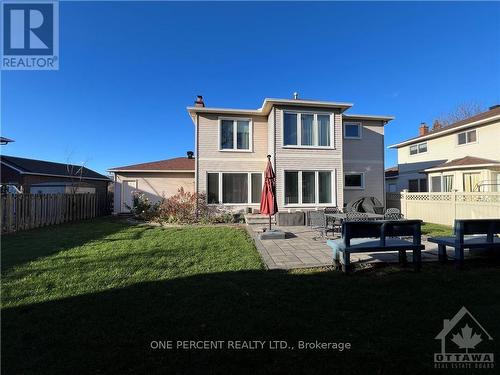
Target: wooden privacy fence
{"points": [[444, 208], [27, 211]]}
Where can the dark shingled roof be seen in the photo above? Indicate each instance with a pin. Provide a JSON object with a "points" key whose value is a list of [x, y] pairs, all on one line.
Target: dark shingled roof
{"points": [[33, 166], [176, 164], [392, 172], [465, 161]]}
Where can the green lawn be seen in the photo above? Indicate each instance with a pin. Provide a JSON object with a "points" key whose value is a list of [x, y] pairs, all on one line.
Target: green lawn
{"points": [[89, 298], [435, 230]]}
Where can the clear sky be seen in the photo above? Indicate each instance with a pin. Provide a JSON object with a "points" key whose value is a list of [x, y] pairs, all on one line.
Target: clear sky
{"points": [[129, 69]]}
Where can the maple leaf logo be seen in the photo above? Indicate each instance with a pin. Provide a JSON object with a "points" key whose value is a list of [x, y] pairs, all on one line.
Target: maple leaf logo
{"points": [[466, 340]]}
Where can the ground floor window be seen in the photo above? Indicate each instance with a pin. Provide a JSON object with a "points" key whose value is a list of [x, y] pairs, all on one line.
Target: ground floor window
{"points": [[309, 187], [234, 188], [471, 181], [354, 180], [417, 185], [442, 184]]}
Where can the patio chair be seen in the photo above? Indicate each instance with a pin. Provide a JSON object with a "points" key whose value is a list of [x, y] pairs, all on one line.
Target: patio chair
{"points": [[333, 210], [336, 224], [317, 221], [356, 216], [393, 214]]}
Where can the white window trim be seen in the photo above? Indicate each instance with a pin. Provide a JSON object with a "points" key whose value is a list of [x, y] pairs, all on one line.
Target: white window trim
{"points": [[235, 134], [315, 129], [467, 143], [249, 187], [360, 127], [362, 187], [441, 182], [333, 174], [418, 152]]}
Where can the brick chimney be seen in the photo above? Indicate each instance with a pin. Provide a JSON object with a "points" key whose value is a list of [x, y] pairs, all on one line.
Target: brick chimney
{"points": [[199, 101], [424, 129], [436, 125]]}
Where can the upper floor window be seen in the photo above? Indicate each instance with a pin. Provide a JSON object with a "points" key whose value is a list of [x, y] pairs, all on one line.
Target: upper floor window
{"points": [[467, 137], [352, 130], [235, 135], [418, 148], [306, 129]]}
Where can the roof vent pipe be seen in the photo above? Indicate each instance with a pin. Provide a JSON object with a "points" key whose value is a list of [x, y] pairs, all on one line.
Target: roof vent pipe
{"points": [[295, 95]]}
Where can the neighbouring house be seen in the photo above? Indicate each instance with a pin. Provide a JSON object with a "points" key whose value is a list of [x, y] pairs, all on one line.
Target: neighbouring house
{"points": [[322, 155], [39, 176], [463, 157], [157, 180]]}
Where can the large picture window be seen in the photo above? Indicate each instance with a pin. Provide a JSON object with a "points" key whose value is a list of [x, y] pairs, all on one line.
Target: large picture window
{"points": [[309, 188], [234, 188], [306, 129], [235, 135]]}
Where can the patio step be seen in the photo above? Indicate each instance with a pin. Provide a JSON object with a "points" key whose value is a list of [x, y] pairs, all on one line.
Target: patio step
{"points": [[259, 219]]}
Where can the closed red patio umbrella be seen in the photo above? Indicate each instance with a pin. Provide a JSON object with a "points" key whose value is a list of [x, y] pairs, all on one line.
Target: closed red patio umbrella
{"points": [[268, 205]]}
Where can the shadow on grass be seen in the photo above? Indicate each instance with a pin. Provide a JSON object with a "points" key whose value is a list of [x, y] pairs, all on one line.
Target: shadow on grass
{"points": [[390, 320], [26, 246]]}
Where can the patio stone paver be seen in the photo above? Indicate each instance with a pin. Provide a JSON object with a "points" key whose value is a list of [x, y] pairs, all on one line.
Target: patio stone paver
{"points": [[304, 248]]}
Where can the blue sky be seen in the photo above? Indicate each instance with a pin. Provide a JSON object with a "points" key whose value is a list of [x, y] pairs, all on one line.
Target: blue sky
{"points": [[128, 70]]}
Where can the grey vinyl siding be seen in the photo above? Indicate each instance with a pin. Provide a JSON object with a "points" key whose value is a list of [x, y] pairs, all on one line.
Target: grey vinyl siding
{"points": [[366, 155]]}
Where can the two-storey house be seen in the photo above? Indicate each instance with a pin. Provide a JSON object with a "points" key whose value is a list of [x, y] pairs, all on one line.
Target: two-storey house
{"points": [[322, 156], [464, 156]]}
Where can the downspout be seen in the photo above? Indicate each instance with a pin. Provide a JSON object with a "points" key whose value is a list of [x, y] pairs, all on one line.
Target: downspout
{"points": [[274, 137], [274, 159], [383, 167], [196, 179]]}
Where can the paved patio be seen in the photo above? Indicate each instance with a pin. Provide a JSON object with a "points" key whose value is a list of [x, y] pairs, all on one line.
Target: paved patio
{"points": [[304, 248]]}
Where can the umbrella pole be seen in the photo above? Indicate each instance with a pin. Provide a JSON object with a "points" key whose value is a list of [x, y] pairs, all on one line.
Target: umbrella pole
{"points": [[269, 221]]}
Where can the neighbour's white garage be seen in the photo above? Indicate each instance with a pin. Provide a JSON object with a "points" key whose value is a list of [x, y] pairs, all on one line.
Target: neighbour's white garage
{"points": [[156, 180]]}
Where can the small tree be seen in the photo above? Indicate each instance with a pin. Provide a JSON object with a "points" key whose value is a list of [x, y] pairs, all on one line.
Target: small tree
{"points": [[461, 112]]}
